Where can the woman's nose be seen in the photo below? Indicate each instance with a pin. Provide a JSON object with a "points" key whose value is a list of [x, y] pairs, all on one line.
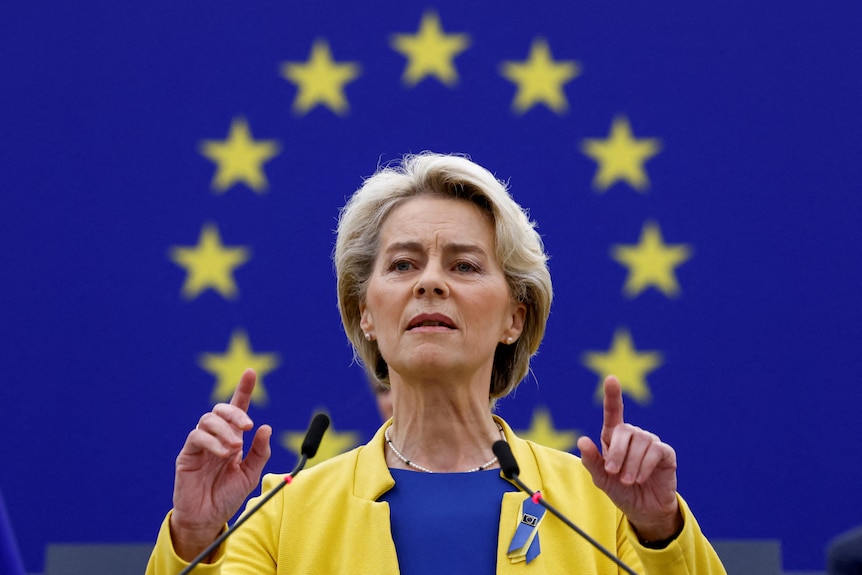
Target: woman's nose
{"points": [[431, 281]]}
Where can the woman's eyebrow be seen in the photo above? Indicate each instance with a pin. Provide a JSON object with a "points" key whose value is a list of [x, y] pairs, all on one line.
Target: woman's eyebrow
{"points": [[411, 246], [407, 246], [464, 249], [415, 246]]}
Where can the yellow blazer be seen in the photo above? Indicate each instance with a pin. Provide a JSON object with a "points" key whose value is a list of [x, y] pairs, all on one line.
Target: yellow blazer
{"points": [[328, 521]]}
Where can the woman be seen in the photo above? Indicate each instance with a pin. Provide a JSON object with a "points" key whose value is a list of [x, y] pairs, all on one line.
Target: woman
{"points": [[444, 293]]}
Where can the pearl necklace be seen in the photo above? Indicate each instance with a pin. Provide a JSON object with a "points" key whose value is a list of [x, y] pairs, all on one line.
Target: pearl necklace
{"points": [[425, 469]]}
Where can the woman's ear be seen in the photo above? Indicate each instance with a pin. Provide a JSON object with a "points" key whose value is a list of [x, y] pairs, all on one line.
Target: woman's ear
{"points": [[516, 322], [365, 320]]}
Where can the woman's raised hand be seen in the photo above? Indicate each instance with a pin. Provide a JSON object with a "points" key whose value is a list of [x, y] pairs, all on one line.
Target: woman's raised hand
{"points": [[212, 478], [635, 469]]}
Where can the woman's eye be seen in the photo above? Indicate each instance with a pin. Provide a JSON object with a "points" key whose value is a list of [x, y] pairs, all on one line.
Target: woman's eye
{"points": [[465, 267], [401, 266]]}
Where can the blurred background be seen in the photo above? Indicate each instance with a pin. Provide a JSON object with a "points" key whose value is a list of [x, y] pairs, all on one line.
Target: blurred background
{"points": [[171, 176]]}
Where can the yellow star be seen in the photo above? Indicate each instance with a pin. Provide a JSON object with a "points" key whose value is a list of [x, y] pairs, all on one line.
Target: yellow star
{"points": [[629, 366], [229, 366], [320, 80], [621, 156], [209, 264], [540, 79], [651, 262], [334, 443], [430, 51], [542, 431], [240, 158]]}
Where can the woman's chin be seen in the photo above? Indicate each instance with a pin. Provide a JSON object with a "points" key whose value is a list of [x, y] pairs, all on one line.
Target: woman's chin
{"points": [[439, 363]]}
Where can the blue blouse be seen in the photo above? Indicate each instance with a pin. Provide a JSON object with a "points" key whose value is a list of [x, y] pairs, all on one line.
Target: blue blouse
{"points": [[446, 522]]}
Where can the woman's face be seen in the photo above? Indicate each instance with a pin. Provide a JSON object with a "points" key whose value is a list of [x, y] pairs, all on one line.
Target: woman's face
{"points": [[437, 301]]}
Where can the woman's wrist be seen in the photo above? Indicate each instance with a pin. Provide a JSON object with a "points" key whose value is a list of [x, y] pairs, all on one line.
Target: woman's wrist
{"points": [[657, 534], [190, 540], [660, 543]]}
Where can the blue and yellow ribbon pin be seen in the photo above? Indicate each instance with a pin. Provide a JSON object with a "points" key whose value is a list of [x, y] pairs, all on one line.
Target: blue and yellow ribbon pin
{"points": [[525, 544]]}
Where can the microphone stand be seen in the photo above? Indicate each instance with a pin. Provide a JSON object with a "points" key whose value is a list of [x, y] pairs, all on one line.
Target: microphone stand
{"points": [[537, 498], [510, 469]]}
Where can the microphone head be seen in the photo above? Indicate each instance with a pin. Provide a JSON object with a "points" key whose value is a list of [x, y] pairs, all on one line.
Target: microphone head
{"points": [[506, 459], [314, 435]]}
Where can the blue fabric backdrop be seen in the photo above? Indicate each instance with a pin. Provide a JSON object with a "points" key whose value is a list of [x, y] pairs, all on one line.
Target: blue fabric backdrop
{"points": [[171, 176]]}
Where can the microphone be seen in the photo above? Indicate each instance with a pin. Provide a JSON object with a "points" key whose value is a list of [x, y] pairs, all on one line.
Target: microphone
{"points": [[316, 429], [511, 470], [318, 426]]}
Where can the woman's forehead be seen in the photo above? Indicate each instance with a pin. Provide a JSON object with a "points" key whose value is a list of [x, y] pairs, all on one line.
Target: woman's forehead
{"points": [[443, 221]]}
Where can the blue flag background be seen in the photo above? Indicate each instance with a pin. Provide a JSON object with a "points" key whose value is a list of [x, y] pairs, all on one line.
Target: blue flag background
{"points": [[172, 173]]}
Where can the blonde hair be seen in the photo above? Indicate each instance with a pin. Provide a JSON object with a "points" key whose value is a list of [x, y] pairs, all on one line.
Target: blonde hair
{"points": [[519, 250]]}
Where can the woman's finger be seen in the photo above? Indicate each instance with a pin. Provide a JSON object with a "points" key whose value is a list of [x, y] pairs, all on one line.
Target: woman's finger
{"points": [[659, 455], [639, 444], [617, 448], [612, 408], [199, 441], [220, 429], [592, 460], [234, 416], [242, 394], [258, 454]]}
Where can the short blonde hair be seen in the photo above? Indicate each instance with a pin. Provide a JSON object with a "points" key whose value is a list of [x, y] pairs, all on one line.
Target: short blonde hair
{"points": [[519, 251]]}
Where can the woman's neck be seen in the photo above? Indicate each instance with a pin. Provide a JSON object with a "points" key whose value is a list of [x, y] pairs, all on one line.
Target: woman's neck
{"points": [[444, 428]]}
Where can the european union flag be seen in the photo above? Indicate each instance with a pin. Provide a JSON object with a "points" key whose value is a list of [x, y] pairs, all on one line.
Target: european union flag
{"points": [[172, 173]]}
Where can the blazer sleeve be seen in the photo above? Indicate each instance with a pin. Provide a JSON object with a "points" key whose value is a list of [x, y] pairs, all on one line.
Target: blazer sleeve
{"points": [[689, 554]]}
